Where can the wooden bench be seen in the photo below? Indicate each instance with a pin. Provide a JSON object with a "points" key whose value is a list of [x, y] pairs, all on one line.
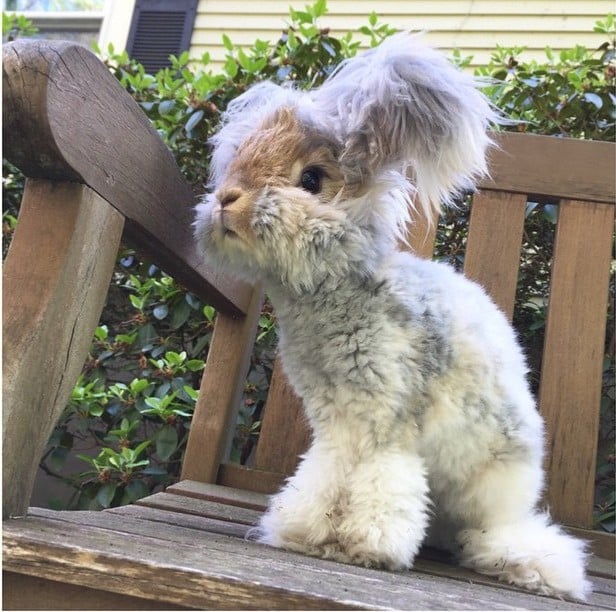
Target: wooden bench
{"points": [[97, 171]]}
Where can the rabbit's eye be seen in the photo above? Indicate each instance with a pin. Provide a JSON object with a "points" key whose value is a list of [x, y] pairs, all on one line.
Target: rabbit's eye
{"points": [[312, 180]]}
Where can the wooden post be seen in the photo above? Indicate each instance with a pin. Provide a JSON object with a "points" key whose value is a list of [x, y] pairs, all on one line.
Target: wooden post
{"points": [[212, 426], [55, 279]]}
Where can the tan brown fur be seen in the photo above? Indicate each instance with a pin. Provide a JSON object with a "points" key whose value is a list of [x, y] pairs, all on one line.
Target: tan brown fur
{"points": [[275, 157], [271, 157]]}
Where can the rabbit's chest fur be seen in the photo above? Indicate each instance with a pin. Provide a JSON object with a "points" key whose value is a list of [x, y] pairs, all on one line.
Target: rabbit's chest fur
{"points": [[407, 355]]}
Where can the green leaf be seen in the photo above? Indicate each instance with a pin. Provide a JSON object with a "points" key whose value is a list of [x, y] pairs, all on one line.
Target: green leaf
{"points": [[175, 359], [166, 106], [319, 8], [166, 442], [106, 493], [101, 332], [153, 402], [195, 365], [594, 99], [141, 447], [180, 315], [87, 459], [193, 120], [209, 313], [96, 410], [192, 393], [231, 67], [136, 489], [226, 43], [136, 301], [161, 311], [147, 333], [138, 385]]}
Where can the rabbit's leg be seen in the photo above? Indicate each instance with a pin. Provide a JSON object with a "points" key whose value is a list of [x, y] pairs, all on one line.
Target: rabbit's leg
{"points": [[506, 537], [387, 513], [303, 514]]}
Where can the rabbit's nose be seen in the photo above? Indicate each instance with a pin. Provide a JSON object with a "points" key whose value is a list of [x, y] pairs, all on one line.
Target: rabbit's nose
{"points": [[228, 196]]}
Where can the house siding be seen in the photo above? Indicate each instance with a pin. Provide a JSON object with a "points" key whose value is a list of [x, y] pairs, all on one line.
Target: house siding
{"points": [[473, 26]]}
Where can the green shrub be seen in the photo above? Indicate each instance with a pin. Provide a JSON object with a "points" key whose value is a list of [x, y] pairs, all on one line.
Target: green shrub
{"points": [[130, 412]]}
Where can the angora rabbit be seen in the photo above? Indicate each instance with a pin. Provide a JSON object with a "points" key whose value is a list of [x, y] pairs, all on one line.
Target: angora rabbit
{"points": [[412, 379]]}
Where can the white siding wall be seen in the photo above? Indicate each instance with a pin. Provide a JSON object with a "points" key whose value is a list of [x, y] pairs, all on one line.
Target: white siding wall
{"points": [[473, 26]]}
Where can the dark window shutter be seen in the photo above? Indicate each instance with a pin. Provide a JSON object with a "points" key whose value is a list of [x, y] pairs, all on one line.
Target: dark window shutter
{"points": [[158, 29]]}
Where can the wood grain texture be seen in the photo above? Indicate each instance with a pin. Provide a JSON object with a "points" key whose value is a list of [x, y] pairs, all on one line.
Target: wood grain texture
{"points": [[22, 592], [285, 433], [55, 282], [547, 166], [66, 117], [201, 507], [251, 479], [167, 562], [492, 256], [222, 384], [573, 356], [420, 235], [220, 494], [601, 543]]}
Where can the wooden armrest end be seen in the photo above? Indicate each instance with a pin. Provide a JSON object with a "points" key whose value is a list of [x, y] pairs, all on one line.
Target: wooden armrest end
{"points": [[66, 118]]}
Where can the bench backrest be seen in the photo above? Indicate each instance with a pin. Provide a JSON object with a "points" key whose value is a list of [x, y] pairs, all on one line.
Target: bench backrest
{"points": [[99, 172]]}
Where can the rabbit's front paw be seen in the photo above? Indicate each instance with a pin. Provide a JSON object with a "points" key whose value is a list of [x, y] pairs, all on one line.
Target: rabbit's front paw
{"points": [[387, 542]]}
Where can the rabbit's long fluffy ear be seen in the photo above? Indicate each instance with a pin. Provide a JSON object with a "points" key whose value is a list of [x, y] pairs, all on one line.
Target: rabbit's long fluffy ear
{"points": [[402, 103], [242, 116]]}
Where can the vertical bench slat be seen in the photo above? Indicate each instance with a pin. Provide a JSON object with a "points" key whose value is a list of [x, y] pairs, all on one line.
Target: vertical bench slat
{"points": [[494, 240], [223, 381], [285, 434], [56, 278], [421, 233], [573, 355]]}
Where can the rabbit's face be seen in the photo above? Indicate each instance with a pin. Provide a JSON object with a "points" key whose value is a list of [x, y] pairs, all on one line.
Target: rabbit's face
{"points": [[308, 184], [278, 210]]}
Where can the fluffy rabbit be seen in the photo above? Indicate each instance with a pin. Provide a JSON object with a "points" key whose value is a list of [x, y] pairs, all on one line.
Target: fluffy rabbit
{"points": [[412, 379]]}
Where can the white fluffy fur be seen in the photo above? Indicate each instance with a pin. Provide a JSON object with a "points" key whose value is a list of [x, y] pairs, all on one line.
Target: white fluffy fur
{"points": [[412, 380]]}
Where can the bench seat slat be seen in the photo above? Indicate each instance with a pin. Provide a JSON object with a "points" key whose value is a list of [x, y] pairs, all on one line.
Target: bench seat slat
{"points": [[202, 570]]}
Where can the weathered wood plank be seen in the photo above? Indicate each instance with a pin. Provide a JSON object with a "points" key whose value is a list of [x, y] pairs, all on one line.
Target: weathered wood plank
{"points": [[492, 256], [52, 131], [573, 356], [191, 521], [211, 571], [241, 477], [546, 166], [602, 544], [201, 507], [430, 561], [22, 592], [222, 384], [219, 494], [52, 299]]}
